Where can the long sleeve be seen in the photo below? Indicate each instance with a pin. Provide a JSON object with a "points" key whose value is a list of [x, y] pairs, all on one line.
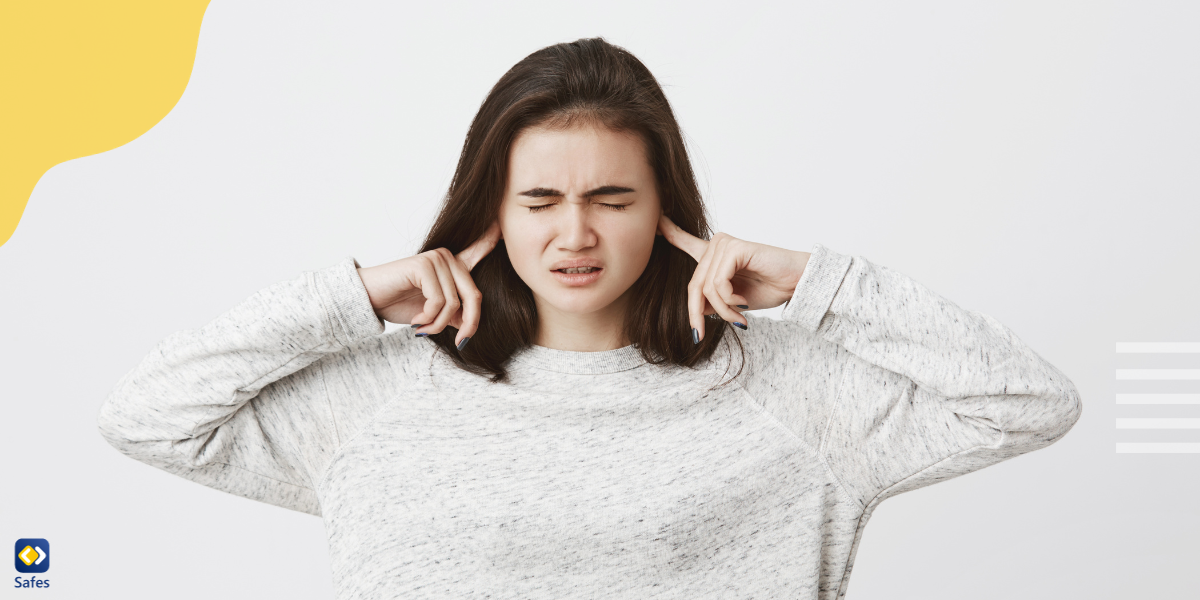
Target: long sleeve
{"points": [[896, 387], [235, 404]]}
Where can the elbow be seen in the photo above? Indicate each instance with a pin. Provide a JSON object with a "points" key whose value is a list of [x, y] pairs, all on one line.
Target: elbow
{"points": [[111, 427], [1069, 409], [113, 421], [121, 429], [140, 438]]}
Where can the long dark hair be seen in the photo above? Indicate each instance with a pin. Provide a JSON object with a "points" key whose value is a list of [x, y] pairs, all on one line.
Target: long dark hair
{"points": [[587, 80]]}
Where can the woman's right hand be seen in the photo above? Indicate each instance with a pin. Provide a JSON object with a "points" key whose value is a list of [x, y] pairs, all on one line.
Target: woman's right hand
{"points": [[432, 289]]}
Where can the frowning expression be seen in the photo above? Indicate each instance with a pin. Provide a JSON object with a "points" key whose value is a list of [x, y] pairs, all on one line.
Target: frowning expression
{"points": [[579, 197]]}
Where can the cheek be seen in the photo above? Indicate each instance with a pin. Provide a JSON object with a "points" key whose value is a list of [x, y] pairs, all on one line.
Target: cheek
{"points": [[635, 248], [524, 248]]}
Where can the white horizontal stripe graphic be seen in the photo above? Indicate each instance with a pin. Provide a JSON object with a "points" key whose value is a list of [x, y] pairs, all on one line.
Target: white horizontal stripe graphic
{"points": [[1158, 347], [1158, 398], [1159, 374], [1158, 423], [1158, 448]]}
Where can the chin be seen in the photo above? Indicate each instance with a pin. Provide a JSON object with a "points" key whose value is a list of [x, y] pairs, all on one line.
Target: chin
{"points": [[580, 302]]}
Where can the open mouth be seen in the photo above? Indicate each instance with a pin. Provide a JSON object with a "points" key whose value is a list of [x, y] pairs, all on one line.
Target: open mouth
{"points": [[578, 276]]}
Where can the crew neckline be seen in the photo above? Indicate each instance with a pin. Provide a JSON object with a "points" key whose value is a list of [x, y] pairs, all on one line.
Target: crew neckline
{"points": [[583, 363]]}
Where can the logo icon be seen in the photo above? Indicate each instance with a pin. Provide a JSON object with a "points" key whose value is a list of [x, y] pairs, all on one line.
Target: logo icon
{"points": [[32, 555]]}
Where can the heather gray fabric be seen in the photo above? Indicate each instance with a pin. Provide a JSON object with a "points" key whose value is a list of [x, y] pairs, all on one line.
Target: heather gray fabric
{"points": [[593, 474]]}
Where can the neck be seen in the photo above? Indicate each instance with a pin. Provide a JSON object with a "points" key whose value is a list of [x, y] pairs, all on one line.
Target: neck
{"points": [[597, 331]]}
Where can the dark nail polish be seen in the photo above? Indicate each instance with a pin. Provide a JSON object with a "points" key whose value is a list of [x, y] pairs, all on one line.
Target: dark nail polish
{"points": [[422, 334], [740, 325], [416, 325], [463, 343], [743, 306], [695, 336]]}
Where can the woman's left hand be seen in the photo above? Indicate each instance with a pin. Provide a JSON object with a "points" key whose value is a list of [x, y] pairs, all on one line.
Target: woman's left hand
{"points": [[733, 273]]}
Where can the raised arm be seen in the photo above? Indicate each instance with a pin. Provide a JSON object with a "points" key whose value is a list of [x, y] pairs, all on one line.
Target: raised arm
{"points": [[901, 388], [238, 404]]}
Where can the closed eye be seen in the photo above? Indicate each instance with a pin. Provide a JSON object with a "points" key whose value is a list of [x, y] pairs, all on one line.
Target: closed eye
{"points": [[534, 209], [604, 190]]}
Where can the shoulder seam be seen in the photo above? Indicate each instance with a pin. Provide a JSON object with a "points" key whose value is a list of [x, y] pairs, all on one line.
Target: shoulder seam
{"points": [[337, 436], [837, 402], [342, 447], [275, 479], [319, 483], [818, 451]]}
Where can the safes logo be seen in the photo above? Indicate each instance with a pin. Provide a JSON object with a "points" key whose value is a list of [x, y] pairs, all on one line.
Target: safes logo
{"points": [[32, 555]]}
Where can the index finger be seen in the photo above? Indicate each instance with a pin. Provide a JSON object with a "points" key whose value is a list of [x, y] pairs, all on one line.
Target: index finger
{"points": [[681, 239], [480, 247]]}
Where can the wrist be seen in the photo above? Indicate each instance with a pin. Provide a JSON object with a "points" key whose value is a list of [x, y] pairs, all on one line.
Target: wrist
{"points": [[367, 275], [799, 264]]}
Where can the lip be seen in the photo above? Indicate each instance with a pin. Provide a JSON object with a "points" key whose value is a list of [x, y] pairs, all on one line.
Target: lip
{"points": [[575, 263], [577, 279]]}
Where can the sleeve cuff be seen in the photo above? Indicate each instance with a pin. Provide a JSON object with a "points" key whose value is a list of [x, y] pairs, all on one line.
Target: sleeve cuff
{"points": [[817, 286], [346, 300]]}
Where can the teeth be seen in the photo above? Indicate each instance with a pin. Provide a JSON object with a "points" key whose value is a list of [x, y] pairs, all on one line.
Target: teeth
{"points": [[579, 270]]}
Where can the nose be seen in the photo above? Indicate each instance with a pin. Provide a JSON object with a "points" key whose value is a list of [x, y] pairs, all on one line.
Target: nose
{"points": [[575, 228]]}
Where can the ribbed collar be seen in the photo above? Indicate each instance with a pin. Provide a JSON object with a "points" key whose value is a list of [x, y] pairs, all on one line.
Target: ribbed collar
{"points": [[584, 363]]}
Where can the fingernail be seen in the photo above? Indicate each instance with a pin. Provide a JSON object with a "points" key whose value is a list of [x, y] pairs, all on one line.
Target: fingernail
{"points": [[422, 334], [463, 343], [416, 325], [740, 325], [743, 306], [695, 336]]}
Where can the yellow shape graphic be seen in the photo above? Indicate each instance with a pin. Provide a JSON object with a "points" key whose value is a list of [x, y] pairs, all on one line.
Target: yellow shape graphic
{"points": [[79, 77], [28, 555]]}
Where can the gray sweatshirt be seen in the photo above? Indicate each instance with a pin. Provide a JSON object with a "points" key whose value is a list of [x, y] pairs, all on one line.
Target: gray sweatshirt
{"points": [[592, 474]]}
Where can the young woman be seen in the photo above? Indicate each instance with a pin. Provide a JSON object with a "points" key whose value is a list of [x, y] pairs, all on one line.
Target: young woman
{"points": [[570, 415]]}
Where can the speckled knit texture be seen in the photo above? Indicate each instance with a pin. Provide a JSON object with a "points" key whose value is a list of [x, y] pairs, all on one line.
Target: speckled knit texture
{"points": [[592, 474]]}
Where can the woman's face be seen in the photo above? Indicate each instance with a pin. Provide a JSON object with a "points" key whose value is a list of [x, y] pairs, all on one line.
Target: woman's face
{"points": [[579, 196]]}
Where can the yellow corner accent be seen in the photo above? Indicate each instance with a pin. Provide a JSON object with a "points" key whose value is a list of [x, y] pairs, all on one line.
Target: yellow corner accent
{"points": [[80, 77]]}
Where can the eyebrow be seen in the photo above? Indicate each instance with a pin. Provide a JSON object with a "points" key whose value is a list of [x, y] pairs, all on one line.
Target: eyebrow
{"points": [[605, 190]]}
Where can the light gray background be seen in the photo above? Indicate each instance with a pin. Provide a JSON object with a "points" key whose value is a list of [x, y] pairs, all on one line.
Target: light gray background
{"points": [[1035, 161]]}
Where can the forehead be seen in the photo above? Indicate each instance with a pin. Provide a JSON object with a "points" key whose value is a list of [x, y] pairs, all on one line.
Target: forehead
{"points": [[584, 155]]}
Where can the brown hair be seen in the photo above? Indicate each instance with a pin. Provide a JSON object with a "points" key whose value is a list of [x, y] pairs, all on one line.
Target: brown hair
{"points": [[589, 80]]}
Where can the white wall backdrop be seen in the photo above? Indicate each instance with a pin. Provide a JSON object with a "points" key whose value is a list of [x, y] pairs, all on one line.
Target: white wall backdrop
{"points": [[1035, 161]]}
